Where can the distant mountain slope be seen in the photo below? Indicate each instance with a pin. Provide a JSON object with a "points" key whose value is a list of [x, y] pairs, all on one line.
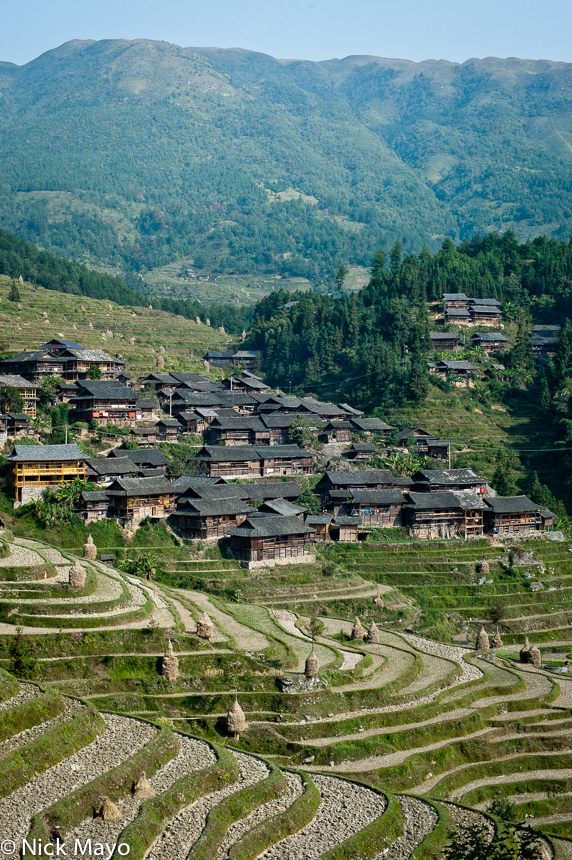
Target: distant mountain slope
{"points": [[133, 154]]}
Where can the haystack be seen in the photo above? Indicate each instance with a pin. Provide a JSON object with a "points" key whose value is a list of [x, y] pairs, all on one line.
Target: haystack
{"points": [[534, 656], [142, 789], [236, 721], [76, 575], [205, 627], [109, 811], [497, 641], [373, 633], [357, 630], [484, 567], [525, 651], [312, 665], [89, 549], [482, 640], [170, 664]]}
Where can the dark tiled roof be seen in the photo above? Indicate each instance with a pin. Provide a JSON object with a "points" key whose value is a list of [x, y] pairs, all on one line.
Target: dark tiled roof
{"points": [[110, 390], [213, 507], [169, 422], [371, 424], [286, 419], [318, 520], [338, 425], [450, 297], [351, 410], [363, 448], [486, 309], [377, 497], [453, 312], [457, 365], [444, 335], [491, 337], [58, 343], [95, 497], [271, 527], [238, 422], [448, 476], [348, 521], [485, 302], [12, 380], [361, 477], [186, 482], [511, 504], [460, 500], [112, 466], [152, 456], [228, 453], [45, 453], [538, 329], [141, 487], [280, 506]]}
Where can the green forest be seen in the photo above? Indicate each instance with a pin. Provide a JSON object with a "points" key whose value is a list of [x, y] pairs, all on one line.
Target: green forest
{"points": [[132, 155]]}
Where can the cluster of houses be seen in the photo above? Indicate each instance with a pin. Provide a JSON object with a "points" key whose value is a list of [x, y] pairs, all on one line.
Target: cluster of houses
{"points": [[465, 311], [261, 519]]}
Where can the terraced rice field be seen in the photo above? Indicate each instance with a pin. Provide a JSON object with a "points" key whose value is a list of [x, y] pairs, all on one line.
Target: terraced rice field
{"points": [[394, 744]]}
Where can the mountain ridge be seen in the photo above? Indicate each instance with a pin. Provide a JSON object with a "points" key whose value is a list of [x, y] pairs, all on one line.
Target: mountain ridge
{"points": [[135, 153]]}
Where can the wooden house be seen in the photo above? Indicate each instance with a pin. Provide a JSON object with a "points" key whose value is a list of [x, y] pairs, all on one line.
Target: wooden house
{"points": [[267, 540], [33, 468], [361, 451], [321, 525], [18, 425], [105, 403], [372, 427], [544, 340], [455, 301], [285, 460], [337, 431], [508, 514], [278, 424], [246, 382], [444, 515], [104, 470], [486, 313], [460, 371], [490, 342], [360, 479], [148, 458], [379, 508], [456, 316], [348, 529], [27, 391], [205, 519], [237, 430], [144, 436], [138, 498], [219, 358], [231, 461], [247, 358], [448, 480], [94, 506], [63, 358], [168, 429], [445, 341]]}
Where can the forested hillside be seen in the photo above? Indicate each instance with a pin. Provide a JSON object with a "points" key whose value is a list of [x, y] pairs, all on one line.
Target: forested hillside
{"points": [[134, 154]]}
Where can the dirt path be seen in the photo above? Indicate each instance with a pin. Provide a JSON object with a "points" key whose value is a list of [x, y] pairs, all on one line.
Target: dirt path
{"points": [[245, 637]]}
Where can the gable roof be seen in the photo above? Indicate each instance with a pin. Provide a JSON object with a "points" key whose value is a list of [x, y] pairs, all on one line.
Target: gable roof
{"points": [[493, 337], [451, 297], [153, 456], [486, 309], [112, 466], [457, 365], [280, 506], [12, 380], [141, 487], [459, 500], [45, 453], [271, 527], [447, 476], [213, 507], [58, 343], [371, 424], [361, 477], [485, 302], [186, 482], [511, 504]]}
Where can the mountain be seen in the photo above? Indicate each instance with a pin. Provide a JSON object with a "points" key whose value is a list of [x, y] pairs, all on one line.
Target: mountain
{"points": [[132, 154]]}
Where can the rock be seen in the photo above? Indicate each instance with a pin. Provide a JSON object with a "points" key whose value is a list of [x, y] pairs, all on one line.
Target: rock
{"points": [[312, 665], [170, 664], [373, 633], [357, 630], [77, 575], [109, 811], [236, 721], [558, 536], [89, 549], [482, 640], [536, 586], [142, 788], [205, 627]]}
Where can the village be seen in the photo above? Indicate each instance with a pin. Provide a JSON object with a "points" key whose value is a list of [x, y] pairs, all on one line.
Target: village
{"points": [[248, 470]]}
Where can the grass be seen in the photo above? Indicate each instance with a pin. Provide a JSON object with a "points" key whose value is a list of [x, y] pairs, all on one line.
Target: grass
{"points": [[185, 343], [238, 290], [32, 713]]}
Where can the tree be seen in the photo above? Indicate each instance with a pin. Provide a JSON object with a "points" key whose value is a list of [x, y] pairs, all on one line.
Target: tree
{"points": [[12, 399], [341, 275], [94, 372], [14, 294], [303, 434], [508, 843], [307, 499]]}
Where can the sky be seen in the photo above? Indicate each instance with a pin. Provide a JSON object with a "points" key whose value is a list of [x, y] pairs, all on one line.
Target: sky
{"points": [[417, 30]]}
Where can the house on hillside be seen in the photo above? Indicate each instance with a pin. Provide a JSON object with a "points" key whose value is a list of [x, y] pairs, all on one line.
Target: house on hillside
{"points": [[447, 341], [486, 312], [279, 423], [455, 301], [33, 468], [444, 515], [321, 525], [513, 514], [105, 403], [93, 506], [255, 461], [448, 480], [348, 529], [168, 429], [237, 430], [281, 507], [361, 451], [462, 372], [371, 427], [144, 436], [262, 541], [206, 519], [544, 340], [137, 498], [378, 508], [490, 342], [18, 425], [62, 358], [27, 391], [421, 442], [104, 470], [457, 316], [219, 358], [337, 431], [149, 458]]}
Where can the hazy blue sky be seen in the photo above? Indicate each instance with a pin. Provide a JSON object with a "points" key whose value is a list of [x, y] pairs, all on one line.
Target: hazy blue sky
{"points": [[309, 29]]}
